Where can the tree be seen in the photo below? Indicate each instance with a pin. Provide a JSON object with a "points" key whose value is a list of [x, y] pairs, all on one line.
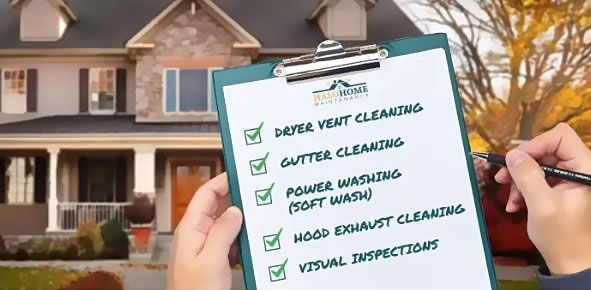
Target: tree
{"points": [[537, 75]]}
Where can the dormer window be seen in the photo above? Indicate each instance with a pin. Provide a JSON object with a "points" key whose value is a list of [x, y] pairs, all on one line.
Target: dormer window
{"points": [[43, 20], [343, 19]]}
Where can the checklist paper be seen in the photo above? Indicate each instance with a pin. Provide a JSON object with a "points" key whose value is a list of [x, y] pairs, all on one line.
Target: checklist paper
{"points": [[356, 181]]}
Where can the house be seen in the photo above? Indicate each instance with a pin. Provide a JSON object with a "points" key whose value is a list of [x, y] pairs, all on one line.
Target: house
{"points": [[103, 99]]}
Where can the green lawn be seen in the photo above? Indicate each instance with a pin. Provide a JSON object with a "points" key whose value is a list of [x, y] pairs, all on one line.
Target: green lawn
{"points": [[519, 285], [46, 278], [33, 278]]}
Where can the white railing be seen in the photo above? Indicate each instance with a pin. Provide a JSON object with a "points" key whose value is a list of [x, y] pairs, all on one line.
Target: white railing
{"points": [[70, 215]]}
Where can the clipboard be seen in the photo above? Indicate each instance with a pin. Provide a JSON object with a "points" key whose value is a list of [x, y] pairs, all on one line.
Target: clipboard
{"points": [[332, 60]]}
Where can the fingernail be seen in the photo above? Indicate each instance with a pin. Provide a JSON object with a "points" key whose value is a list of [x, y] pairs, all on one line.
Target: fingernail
{"points": [[514, 157], [233, 213]]}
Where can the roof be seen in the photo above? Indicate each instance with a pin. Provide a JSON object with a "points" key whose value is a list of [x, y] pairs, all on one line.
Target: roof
{"points": [[385, 21], [275, 23], [106, 124], [101, 24]]}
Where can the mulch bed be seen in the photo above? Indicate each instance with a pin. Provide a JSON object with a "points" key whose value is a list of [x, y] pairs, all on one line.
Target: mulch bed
{"points": [[99, 280]]}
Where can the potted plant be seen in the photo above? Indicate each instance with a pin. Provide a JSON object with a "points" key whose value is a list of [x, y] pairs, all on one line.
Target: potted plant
{"points": [[140, 215]]}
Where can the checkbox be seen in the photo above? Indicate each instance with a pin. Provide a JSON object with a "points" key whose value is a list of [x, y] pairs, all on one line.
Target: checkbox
{"points": [[259, 166], [264, 196], [253, 136], [277, 272], [272, 242]]}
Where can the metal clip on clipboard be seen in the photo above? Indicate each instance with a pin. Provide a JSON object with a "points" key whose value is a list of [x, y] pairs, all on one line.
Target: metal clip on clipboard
{"points": [[330, 58]]}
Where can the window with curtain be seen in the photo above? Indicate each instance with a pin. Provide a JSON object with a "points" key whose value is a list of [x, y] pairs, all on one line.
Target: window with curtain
{"points": [[14, 91], [188, 90], [20, 180], [102, 90]]}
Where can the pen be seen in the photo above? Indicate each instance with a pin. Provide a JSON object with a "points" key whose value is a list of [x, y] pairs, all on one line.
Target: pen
{"points": [[550, 171]]}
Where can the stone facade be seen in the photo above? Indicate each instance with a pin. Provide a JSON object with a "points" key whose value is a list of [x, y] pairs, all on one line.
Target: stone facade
{"points": [[191, 37]]}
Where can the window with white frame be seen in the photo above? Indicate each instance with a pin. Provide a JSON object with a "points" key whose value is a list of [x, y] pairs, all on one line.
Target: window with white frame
{"points": [[102, 90], [20, 180], [188, 90], [14, 91]]}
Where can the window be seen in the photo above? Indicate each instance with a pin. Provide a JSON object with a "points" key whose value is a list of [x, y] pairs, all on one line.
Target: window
{"points": [[188, 91], [14, 91], [20, 180], [101, 180], [102, 90]]}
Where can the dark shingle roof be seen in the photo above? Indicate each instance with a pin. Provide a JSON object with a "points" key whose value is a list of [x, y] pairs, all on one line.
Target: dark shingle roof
{"points": [[275, 23], [101, 24], [283, 24], [89, 124]]}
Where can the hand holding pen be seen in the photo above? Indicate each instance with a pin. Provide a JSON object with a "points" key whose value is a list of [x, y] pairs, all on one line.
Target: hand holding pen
{"points": [[559, 211]]}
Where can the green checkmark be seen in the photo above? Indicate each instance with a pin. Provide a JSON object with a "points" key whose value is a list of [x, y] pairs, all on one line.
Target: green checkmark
{"points": [[272, 242], [256, 133], [259, 167], [267, 194], [279, 271]]}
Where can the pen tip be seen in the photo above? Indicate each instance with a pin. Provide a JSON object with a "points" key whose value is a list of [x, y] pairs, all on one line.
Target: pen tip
{"points": [[480, 155]]}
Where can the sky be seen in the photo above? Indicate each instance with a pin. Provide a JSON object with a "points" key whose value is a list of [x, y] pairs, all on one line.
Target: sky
{"points": [[418, 14]]}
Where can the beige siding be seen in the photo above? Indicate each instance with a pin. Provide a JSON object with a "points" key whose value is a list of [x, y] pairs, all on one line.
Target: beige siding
{"points": [[40, 21], [23, 219], [58, 83], [348, 20]]}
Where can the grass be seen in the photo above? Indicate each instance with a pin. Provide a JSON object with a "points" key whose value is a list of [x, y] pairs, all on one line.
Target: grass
{"points": [[519, 285], [33, 278], [47, 278]]}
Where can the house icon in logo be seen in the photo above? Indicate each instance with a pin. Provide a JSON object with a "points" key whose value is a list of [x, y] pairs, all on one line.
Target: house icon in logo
{"points": [[336, 83]]}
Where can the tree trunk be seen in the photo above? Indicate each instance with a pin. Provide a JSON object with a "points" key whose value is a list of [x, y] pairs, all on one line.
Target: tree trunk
{"points": [[528, 120]]}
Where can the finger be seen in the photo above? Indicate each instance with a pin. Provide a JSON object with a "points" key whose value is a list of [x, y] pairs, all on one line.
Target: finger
{"points": [[561, 141], [503, 176], [529, 179], [223, 233], [205, 201], [515, 200], [193, 228]]}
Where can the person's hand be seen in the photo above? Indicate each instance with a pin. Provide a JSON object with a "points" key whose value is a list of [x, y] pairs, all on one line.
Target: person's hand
{"points": [[202, 242], [559, 212]]}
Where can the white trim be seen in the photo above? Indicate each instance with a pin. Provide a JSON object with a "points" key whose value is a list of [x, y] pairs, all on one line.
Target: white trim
{"points": [[3, 87], [134, 39], [246, 39], [32, 142], [67, 52], [210, 111], [98, 111]]}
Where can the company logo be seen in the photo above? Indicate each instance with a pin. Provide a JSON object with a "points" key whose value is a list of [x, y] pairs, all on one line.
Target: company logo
{"points": [[340, 91]]}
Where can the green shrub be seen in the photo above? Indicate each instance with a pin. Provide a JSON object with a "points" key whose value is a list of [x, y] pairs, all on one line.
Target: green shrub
{"points": [[86, 249], [71, 252], [56, 254], [41, 249], [21, 255], [2, 245], [115, 240], [89, 240]]}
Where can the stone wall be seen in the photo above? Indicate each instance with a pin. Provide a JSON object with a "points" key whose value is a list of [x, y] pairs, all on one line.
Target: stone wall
{"points": [[188, 36]]}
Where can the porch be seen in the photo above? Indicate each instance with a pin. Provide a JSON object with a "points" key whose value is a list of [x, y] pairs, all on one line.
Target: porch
{"points": [[58, 190]]}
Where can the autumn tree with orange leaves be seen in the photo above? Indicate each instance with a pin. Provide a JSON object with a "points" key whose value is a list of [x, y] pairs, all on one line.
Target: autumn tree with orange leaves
{"points": [[542, 66]]}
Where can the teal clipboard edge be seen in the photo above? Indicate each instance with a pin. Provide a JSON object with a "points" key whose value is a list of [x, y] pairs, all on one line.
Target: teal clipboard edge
{"points": [[245, 74]]}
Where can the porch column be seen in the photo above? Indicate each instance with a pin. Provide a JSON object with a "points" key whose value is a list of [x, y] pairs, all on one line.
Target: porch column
{"points": [[52, 203], [145, 170]]}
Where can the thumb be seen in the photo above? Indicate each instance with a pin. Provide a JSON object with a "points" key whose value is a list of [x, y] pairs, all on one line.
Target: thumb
{"points": [[223, 233], [529, 179]]}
